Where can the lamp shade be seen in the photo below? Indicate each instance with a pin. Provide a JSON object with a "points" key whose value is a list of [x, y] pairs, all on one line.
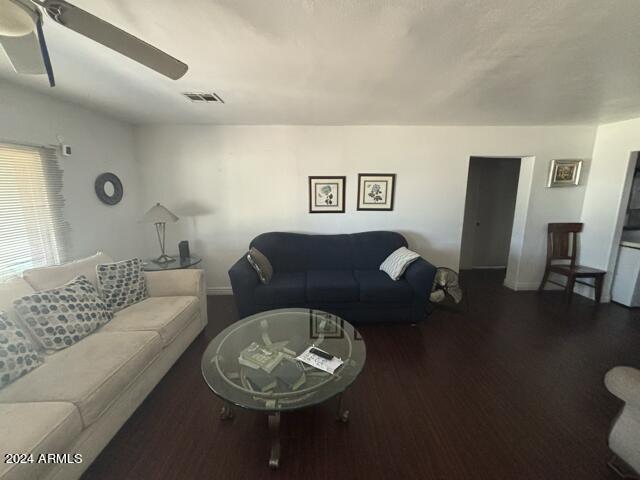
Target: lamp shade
{"points": [[159, 214]]}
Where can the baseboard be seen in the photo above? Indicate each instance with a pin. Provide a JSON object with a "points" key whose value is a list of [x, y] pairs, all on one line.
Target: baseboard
{"points": [[527, 286], [582, 290], [219, 291]]}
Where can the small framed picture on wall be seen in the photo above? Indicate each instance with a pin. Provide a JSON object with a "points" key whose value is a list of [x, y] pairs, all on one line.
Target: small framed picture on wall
{"points": [[376, 191], [326, 194], [564, 173]]}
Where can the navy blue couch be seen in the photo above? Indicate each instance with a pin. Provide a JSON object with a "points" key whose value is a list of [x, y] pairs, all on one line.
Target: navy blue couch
{"points": [[335, 273]]}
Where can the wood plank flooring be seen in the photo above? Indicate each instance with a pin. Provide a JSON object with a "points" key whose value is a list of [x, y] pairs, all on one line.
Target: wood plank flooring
{"points": [[510, 390]]}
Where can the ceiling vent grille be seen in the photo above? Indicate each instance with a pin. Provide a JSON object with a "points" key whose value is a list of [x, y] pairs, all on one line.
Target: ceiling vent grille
{"points": [[203, 97]]}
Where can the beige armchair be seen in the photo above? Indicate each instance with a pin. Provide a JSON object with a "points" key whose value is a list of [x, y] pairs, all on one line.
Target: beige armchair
{"points": [[624, 438]]}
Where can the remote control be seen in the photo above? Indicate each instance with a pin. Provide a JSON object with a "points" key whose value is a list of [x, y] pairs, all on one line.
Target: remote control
{"points": [[322, 354]]}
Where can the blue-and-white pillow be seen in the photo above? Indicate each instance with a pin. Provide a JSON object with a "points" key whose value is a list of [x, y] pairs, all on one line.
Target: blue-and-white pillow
{"points": [[18, 356], [59, 317], [396, 263], [122, 283]]}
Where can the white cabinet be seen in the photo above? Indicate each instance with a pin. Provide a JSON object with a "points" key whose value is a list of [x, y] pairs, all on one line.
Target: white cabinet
{"points": [[626, 281]]}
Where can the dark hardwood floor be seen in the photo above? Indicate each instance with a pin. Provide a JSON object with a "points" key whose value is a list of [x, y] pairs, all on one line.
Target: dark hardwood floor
{"points": [[511, 390]]}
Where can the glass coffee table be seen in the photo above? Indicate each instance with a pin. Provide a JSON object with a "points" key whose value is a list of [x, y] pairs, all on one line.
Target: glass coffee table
{"points": [[251, 364]]}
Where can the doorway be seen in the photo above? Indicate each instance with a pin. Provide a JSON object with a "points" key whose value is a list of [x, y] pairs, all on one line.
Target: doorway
{"points": [[625, 285], [492, 189]]}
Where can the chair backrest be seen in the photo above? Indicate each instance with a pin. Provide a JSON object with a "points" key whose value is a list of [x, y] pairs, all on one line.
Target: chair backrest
{"points": [[562, 241]]}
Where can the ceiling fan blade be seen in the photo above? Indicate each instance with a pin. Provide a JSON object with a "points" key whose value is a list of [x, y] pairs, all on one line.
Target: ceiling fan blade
{"points": [[46, 60], [24, 53], [110, 36]]}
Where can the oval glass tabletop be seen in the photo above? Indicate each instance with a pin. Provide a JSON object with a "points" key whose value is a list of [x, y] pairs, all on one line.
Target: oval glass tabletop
{"points": [[175, 264], [252, 363]]}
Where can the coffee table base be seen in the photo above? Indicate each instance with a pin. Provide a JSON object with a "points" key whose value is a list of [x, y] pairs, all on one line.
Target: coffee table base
{"points": [[274, 437], [342, 414], [226, 413]]}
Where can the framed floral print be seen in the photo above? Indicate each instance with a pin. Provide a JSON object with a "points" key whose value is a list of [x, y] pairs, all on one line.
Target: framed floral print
{"points": [[326, 194], [564, 173], [376, 191]]}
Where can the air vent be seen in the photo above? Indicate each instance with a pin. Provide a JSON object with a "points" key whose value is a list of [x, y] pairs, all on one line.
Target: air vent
{"points": [[203, 97]]}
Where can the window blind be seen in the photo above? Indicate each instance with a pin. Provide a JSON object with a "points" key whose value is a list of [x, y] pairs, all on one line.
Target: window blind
{"points": [[33, 231]]}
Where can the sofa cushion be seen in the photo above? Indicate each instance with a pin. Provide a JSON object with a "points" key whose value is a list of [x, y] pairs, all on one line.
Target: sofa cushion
{"points": [[287, 252], [122, 283], [44, 278], [59, 317], [329, 252], [91, 374], [284, 288], [377, 287], [371, 248], [18, 356], [38, 427], [166, 315], [332, 286]]}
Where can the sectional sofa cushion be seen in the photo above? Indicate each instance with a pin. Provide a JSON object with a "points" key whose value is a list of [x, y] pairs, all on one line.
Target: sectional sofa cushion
{"points": [[396, 263], [122, 283], [332, 286], [284, 288], [59, 317], [90, 375], [260, 264], [36, 427], [371, 248], [166, 315], [44, 278], [377, 287], [18, 356]]}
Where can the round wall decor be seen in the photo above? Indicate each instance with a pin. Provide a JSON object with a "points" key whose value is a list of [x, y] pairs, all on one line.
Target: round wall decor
{"points": [[109, 188]]}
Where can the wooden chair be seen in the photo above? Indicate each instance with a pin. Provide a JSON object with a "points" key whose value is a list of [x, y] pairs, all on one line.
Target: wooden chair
{"points": [[562, 245]]}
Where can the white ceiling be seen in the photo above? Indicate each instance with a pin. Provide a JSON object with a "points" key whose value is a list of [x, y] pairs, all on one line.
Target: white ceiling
{"points": [[456, 62]]}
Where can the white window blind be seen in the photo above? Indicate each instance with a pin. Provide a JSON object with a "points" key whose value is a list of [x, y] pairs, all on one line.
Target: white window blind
{"points": [[33, 231]]}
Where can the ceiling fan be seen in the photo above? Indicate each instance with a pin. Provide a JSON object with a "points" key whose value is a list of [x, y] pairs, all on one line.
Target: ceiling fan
{"points": [[22, 37]]}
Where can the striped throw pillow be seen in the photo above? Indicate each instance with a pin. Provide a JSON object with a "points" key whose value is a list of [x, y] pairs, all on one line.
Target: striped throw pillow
{"points": [[396, 263]]}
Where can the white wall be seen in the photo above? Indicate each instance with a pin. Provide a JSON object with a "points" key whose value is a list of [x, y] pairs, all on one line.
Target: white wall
{"points": [[230, 183], [100, 144], [606, 196]]}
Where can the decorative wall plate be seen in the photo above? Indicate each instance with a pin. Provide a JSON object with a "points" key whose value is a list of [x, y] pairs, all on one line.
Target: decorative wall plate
{"points": [[109, 188]]}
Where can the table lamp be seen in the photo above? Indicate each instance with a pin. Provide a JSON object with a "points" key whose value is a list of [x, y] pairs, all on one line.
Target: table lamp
{"points": [[159, 215]]}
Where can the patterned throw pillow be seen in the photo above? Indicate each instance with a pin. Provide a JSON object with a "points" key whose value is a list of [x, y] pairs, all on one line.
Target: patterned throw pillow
{"points": [[260, 264], [18, 356], [59, 317], [396, 263], [122, 283]]}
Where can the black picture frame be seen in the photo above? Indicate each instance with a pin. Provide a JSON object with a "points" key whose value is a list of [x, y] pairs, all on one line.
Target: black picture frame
{"points": [[327, 209], [335, 324], [384, 177]]}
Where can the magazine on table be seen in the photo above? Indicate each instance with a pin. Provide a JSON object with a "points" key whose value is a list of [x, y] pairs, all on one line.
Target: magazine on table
{"points": [[329, 365]]}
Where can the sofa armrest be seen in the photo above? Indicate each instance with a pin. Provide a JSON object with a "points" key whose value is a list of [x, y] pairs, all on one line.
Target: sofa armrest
{"points": [[624, 383], [179, 283], [244, 280], [175, 283], [420, 275]]}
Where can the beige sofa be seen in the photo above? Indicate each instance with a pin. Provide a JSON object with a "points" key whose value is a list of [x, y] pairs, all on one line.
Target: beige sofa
{"points": [[624, 438], [78, 399]]}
